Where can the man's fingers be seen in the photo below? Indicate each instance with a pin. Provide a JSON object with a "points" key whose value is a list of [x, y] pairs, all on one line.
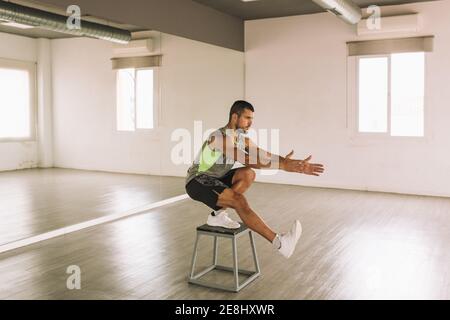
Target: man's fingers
{"points": [[290, 154], [316, 164], [302, 166], [310, 174]]}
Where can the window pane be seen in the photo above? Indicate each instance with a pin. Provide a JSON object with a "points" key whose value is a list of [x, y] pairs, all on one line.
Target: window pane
{"points": [[144, 94], [407, 106], [14, 104], [373, 94], [125, 100]]}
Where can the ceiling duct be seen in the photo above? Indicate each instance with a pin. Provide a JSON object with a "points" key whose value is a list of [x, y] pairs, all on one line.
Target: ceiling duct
{"points": [[42, 19], [344, 9]]}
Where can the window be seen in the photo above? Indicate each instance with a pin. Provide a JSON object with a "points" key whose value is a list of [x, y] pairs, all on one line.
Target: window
{"points": [[390, 94], [17, 100], [136, 99], [373, 94]]}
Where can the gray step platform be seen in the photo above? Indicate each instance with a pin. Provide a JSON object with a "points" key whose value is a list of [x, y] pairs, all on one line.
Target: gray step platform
{"points": [[232, 234]]}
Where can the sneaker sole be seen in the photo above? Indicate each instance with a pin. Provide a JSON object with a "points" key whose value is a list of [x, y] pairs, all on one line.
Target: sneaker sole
{"points": [[298, 233], [298, 230]]}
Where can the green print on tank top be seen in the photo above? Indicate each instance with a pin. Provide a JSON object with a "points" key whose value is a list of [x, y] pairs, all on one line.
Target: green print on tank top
{"points": [[208, 158]]}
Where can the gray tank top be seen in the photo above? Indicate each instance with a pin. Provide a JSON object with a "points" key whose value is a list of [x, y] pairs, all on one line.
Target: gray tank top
{"points": [[214, 163]]}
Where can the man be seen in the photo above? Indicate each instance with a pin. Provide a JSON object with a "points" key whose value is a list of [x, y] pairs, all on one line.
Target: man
{"points": [[212, 180]]}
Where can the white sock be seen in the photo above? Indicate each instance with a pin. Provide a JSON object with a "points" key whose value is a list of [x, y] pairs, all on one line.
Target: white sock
{"points": [[276, 242]]}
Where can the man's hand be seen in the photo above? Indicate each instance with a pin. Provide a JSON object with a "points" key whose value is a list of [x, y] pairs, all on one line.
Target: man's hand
{"points": [[302, 166]]}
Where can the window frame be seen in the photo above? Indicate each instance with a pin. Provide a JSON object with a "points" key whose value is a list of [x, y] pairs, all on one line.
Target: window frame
{"points": [[32, 70], [353, 104], [156, 102]]}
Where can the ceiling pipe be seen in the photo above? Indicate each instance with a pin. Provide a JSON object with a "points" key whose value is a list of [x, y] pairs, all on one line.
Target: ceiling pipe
{"points": [[344, 9], [50, 21]]}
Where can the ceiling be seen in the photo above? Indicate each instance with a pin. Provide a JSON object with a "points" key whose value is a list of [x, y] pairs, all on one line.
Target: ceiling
{"points": [[258, 9], [261, 9]]}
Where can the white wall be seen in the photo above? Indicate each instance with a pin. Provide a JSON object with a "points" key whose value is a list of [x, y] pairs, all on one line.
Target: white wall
{"points": [[198, 82], [296, 78], [18, 155], [295, 75]]}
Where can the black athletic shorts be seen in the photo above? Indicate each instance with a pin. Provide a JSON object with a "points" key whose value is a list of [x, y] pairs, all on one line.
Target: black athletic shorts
{"points": [[206, 189]]}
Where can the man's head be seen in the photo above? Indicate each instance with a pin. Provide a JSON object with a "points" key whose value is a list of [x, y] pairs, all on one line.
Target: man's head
{"points": [[241, 115]]}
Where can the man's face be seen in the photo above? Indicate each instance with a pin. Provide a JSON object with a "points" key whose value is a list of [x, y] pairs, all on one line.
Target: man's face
{"points": [[244, 122]]}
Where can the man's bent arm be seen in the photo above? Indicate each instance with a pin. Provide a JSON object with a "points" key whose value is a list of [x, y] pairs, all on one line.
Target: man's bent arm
{"points": [[262, 159], [254, 157]]}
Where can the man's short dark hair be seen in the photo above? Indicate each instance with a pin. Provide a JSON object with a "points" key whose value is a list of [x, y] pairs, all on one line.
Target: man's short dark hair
{"points": [[239, 106]]}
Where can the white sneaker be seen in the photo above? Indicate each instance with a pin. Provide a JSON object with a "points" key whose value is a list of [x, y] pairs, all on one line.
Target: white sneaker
{"points": [[222, 220], [289, 240]]}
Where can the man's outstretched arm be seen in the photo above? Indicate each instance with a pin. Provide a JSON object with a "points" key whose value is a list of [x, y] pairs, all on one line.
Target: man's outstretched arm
{"points": [[262, 159], [258, 158]]}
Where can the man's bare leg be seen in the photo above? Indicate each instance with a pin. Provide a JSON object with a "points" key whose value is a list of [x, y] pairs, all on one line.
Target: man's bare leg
{"points": [[231, 199], [242, 180]]}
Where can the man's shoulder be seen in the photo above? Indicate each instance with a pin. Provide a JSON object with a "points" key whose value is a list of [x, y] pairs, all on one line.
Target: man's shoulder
{"points": [[218, 132]]}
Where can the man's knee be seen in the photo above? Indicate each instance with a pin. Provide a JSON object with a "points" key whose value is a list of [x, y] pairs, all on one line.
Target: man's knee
{"points": [[249, 174]]}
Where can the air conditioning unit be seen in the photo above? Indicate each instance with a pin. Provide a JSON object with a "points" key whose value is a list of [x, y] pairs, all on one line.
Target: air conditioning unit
{"points": [[134, 48], [410, 23]]}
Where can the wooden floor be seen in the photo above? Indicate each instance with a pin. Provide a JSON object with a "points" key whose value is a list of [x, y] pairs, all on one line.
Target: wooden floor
{"points": [[40, 200], [355, 245]]}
